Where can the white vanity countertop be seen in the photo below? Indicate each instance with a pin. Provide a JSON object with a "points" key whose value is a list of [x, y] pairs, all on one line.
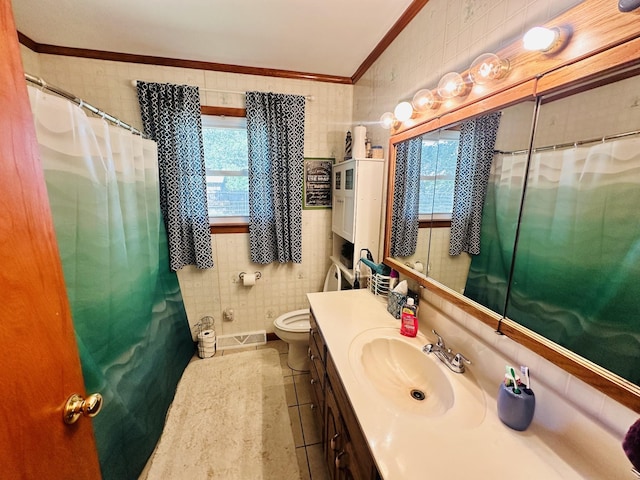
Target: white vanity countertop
{"points": [[470, 443]]}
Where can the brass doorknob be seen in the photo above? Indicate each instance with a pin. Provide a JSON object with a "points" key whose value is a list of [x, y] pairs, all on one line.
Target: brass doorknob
{"points": [[76, 406]]}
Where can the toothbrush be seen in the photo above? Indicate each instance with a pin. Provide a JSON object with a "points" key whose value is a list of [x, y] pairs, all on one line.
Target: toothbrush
{"points": [[516, 390], [525, 374]]}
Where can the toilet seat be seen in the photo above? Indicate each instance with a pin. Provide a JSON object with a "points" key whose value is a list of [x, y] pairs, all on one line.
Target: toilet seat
{"points": [[296, 321], [293, 327]]}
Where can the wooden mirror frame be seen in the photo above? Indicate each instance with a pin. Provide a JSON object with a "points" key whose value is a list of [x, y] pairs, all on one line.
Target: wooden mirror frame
{"points": [[601, 39]]}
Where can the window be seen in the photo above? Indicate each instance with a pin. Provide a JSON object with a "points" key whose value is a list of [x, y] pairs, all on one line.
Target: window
{"points": [[226, 162], [439, 157]]}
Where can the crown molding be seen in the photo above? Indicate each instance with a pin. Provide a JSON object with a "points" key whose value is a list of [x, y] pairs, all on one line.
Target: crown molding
{"points": [[390, 36]]}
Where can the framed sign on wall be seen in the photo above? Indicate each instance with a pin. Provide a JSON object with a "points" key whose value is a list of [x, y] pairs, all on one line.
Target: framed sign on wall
{"points": [[317, 183]]}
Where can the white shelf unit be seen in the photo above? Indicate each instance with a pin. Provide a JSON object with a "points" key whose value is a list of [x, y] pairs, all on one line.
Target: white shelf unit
{"points": [[357, 210]]}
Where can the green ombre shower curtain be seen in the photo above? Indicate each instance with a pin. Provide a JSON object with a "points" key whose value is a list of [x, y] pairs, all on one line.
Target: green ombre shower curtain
{"points": [[129, 318], [577, 265], [489, 272]]}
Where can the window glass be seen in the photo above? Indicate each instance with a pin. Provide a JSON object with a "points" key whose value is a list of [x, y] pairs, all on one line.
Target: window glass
{"points": [[439, 157], [226, 162]]}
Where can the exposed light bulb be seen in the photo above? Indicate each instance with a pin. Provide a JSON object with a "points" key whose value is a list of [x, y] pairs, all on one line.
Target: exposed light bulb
{"points": [[488, 67], [541, 39], [387, 120], [403, 111], [452, 85], [425, 100]]}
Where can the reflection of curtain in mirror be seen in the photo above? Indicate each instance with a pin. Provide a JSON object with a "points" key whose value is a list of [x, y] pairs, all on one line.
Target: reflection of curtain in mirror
{"points": [[128, 315], [406, 195], [475, 152], [577, 268], [489, 271]]}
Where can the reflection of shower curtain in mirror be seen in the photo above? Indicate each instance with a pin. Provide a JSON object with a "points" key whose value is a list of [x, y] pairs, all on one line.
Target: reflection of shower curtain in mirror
{"points": [[577, 267], [127, 308], [489, 271]]}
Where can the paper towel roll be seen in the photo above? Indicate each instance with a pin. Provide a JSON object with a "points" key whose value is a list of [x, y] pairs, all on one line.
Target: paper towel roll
{"points": [[359, 138], [249, 279]]}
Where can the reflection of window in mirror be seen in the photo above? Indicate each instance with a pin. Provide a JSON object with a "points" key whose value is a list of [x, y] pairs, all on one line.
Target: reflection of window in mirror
{"points": [[437, 174]]}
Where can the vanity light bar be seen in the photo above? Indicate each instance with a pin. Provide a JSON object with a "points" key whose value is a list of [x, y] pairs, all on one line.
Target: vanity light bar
{"points": [[484, 69], [541, 39]]}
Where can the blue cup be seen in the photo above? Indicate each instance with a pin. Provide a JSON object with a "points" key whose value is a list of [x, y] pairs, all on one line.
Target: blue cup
{"points": [[516, 410]]}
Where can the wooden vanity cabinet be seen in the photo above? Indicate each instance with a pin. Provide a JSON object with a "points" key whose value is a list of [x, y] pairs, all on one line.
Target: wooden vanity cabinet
{"points": [[345, 448], [317, 355]]}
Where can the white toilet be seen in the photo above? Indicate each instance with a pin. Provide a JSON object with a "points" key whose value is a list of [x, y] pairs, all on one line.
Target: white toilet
{"points": [[293, 327]]}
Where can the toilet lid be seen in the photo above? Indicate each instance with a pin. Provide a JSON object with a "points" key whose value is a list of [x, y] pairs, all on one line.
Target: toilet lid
{"points": [[333, 280]]}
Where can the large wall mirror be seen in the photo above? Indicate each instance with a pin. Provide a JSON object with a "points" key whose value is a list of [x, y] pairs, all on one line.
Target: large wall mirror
{"points": [[576, 276], [482, 277], [558, 266]]}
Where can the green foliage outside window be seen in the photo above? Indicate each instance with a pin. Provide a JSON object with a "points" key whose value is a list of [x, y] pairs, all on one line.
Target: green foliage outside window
{"points": [[437, 174], [226, 162]]}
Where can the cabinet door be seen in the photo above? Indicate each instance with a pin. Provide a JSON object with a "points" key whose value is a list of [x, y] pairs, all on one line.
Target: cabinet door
{"points": [[332, 432], [344, 188], [316, 374], [337, 202], [352, 459], [348, 216]]}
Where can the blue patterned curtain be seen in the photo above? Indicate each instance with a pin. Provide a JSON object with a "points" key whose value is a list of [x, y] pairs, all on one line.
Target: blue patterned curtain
{"points": [[275, 133], [475, 153], [171, 117], [406, 194]]}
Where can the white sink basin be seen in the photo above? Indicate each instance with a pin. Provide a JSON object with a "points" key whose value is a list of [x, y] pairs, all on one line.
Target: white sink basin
{"points": [[405, 379]]}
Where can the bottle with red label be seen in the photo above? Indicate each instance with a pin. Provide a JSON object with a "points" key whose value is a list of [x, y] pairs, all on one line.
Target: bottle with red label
{"points": [[409, 319]]}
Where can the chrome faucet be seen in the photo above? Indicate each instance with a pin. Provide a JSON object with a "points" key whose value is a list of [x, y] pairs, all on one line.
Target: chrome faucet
{"points": [[454, 362]]}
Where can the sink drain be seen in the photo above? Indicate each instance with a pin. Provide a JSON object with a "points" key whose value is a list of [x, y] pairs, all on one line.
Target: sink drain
{"points": [[418, 394]]}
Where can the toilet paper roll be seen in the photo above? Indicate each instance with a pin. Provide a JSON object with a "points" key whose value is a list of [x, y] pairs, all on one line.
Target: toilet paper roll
{"points": [[206, 352], [249, 279], [206, 343], [207, 336], [359, 138]]}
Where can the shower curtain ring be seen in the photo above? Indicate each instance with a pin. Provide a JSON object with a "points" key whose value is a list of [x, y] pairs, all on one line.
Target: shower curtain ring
{"points": [[81, 104]]}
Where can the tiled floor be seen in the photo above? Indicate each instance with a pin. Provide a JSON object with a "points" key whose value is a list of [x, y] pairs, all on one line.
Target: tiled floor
{"points": [[306, 434]]}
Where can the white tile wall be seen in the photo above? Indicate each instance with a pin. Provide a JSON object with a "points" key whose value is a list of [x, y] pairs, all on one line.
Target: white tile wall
{"points": [[610, 109], [30, 61], [450, 270]]}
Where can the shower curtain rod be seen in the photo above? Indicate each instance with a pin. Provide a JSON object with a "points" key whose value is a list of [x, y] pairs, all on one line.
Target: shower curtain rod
{"points": [[81, 103], [572, 144], [311, 98]]}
